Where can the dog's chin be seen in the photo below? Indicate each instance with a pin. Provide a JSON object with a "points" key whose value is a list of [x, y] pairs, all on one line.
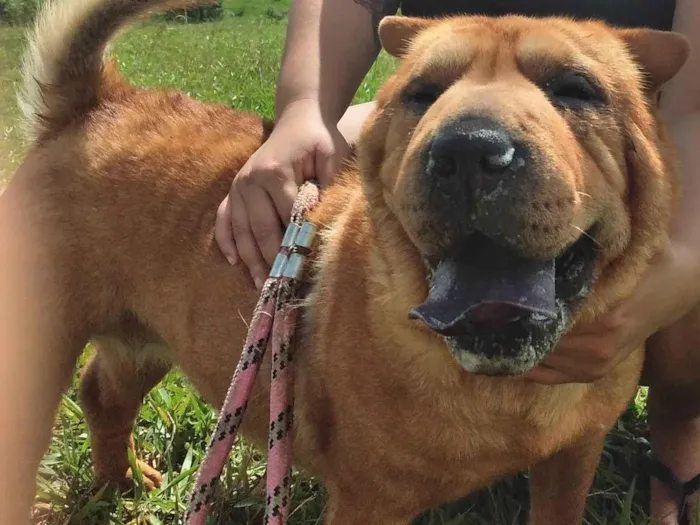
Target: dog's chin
{"points": [[500, 314], [510, 349]]}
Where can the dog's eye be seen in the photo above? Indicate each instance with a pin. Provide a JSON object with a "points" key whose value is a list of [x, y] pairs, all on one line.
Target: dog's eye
{"points": [[419, 96], [573, 90]]}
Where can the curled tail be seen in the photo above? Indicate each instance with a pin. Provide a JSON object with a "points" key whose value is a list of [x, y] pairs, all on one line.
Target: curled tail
{"points": [[63, 70]]}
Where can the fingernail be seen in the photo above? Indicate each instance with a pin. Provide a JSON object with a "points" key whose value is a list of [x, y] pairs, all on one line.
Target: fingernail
{"points": [[259, 282], [231, 260]]}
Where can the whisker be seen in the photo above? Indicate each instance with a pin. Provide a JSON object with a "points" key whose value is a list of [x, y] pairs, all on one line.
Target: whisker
{"points": [[583, 194], [587, 235]]}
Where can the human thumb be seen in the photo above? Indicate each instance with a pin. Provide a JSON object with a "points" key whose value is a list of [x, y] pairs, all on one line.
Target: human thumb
{"points": [[328, 162]]}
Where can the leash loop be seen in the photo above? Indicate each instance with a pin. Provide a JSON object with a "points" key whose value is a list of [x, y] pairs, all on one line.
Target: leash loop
{"points": [[274, 318]]}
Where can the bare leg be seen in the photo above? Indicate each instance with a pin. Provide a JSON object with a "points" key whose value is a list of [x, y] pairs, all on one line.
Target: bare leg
{"points": [[672, 371], [38, 351], [33, 375], [674, 417], [559, 485], [111, 392]]}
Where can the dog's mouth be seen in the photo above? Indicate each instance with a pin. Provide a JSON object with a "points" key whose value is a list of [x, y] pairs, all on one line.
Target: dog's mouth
{"points": [[501, 313]]}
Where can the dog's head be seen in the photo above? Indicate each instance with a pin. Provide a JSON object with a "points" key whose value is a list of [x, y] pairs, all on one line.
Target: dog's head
{"points": [[524, 163]]}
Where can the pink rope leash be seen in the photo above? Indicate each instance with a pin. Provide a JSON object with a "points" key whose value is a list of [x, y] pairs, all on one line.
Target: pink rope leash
{"points": [[274, 317]]}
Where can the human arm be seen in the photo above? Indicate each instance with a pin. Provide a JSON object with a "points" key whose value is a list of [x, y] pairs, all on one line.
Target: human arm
{"points": [[330, 46]]}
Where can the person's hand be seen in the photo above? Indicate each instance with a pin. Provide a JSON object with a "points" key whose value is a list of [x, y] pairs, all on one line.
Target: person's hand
{"points": [[666, 292], [249, 221]]}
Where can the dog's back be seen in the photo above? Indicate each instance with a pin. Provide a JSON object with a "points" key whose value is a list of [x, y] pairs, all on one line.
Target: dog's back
{"points": [[106, 233]]}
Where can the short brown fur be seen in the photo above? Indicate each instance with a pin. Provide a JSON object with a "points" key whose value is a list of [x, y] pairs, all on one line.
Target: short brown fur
{"points": [[107, 234]]}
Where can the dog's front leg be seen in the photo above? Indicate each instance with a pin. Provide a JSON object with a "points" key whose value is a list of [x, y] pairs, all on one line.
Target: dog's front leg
{"points": [[559, 485]]}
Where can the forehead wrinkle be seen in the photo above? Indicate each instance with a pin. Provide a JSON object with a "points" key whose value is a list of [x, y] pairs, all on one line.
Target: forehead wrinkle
{"points": [[586, 45], [540, 45], [495, 49], [541, 55], [592, 38], [444, 56]]}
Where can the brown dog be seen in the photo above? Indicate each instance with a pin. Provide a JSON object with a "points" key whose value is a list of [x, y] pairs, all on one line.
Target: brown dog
{"points": [[513, 179]]}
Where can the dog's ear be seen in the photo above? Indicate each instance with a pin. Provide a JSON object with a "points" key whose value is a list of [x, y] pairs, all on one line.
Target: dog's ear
{"points": [[396, 33], [661, 54]]}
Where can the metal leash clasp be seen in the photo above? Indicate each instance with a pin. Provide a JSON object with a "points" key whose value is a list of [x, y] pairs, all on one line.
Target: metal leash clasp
{"points": [[296, 245]]}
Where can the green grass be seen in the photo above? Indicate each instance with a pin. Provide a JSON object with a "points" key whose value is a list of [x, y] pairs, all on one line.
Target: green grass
{"points": [[11, 42], [236, 61]]}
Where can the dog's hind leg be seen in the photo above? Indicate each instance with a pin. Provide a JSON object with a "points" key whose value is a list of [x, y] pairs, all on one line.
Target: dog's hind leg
{"points": [[559, 485], [112, 388]]}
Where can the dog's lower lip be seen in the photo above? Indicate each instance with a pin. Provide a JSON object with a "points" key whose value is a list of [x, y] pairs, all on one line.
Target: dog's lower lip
{"points": [[481, 282], [495, 314]]}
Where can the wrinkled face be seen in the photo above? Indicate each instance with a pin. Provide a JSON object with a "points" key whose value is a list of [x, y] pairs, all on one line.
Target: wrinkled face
{"points": [[522, 161]]}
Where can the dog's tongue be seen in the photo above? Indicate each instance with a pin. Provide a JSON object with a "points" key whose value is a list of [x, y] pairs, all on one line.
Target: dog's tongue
{"points": [[487, 285]]}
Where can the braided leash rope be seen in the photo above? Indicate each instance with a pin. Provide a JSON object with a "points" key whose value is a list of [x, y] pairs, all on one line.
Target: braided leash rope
{"points": [[274, 318]]}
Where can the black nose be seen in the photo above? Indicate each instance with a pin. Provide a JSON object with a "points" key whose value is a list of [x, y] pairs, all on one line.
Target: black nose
{"points": [[471, 145]]}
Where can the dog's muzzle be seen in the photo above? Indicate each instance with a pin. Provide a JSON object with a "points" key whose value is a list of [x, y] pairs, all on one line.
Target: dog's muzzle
{"points": [[499, 312]]}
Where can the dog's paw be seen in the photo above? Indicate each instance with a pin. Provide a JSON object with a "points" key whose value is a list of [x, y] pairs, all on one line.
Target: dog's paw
{"points": [[152, 479]]}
